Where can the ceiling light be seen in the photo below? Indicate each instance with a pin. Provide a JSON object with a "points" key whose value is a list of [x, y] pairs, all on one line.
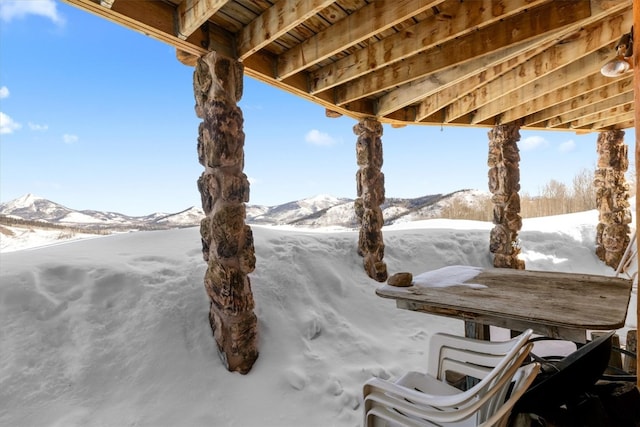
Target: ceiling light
{"points": [[622, 62]]}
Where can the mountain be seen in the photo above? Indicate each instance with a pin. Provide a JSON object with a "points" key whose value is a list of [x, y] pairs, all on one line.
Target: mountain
{"points": [[318, 211], [34, 208]]}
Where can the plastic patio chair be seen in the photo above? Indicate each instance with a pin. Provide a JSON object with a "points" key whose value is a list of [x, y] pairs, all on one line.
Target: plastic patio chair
{"points": [[521, 382], [628, 265], [423, 399]]}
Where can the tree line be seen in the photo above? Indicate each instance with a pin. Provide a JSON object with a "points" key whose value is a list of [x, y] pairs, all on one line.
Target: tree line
{"points": [[555, 198], [10, 221]]}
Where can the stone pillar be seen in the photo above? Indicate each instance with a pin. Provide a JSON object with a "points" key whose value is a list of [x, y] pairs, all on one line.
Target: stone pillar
{"points": [[227, 242], [504, 184], [370, 195], [612, 197]]}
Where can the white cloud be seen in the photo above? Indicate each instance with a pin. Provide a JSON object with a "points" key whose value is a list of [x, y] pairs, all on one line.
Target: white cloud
{"points": [[316, 137], [567, 146], [16, 9], [36, 127], [533, 142], [4, 92], [69, 138], [7, 124]]}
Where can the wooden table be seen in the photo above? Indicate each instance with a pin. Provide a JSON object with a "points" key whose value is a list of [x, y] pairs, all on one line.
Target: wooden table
{"points": [[558, 305]]}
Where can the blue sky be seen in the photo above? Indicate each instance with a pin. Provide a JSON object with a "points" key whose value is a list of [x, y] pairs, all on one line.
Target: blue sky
{"points": [[96, 116]]}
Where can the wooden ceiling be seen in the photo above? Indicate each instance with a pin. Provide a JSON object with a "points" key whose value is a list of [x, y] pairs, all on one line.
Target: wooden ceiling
{"points": [[424, 62]]}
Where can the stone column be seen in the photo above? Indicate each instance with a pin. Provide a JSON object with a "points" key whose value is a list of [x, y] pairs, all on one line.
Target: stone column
{"points": [[612, 197], [504, 184], [227, 242], [370, 192]]}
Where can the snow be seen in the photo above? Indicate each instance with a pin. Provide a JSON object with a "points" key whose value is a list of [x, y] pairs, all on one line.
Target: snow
{"points": [[451, 275], [114, 331], [26, 201], [20, 238], [80, 218]]}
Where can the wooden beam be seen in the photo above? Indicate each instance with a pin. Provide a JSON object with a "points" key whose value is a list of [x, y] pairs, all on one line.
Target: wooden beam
{"points": [[361, 25], [276, 21], [152, 18], [591, 89], [554, 81], [587, 109], [452, 20], [454, 54], [436, 102], [261, 67], [528, 27], [191, 14], [603, 118], [607, 123], [567, 62], [455, 83]]}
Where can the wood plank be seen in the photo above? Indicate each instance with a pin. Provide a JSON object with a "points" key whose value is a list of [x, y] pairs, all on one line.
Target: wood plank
{"points": [[431, 106], [276, 21], [191, 14], [568, 98], [552, 331], [362, 24], [461, 18], [569, 61], [152, 18], [571, 73], [605, 119], [441, 88], [589, 109], [517, 298], [261, 67], [467, 78], [454, 54]]}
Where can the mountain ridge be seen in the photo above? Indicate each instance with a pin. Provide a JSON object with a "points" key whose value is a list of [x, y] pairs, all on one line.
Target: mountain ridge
{"points": [[317, 211]]}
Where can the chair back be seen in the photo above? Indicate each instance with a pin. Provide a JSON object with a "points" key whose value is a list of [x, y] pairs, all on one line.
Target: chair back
{"points": [[522, 380], [494, 364]]}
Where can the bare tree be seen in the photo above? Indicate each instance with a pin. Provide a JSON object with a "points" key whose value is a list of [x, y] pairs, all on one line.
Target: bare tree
{"points": [[584, 192]]}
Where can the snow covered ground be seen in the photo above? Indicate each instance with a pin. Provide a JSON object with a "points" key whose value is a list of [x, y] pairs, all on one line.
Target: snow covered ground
{"points": [[20, 238], [114, 331]]}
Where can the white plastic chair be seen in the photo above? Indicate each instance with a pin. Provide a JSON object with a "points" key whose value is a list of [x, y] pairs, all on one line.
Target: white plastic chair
{"points": [[628, 264], [423, 399]]}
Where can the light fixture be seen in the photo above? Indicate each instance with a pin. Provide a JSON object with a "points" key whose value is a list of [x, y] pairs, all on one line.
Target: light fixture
{"points": [[622, 62]]}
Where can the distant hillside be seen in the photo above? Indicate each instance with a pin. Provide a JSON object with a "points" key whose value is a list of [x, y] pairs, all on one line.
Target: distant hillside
{"points": [[32, 221], [318, 211]]}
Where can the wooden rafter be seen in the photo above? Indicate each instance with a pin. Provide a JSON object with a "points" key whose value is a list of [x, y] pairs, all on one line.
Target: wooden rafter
{"points": [[453, 84], [451, 21], [193, 13], [452, 54], [587, 91], [608, 116], [567, 62], [589, 108], [365, 23], [476, 63], [274, 22]]}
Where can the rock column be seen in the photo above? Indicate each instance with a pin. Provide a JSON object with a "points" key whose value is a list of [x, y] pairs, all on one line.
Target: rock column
{"points": [[227, 242], [612, 197], [370, 195], [504, 184]]}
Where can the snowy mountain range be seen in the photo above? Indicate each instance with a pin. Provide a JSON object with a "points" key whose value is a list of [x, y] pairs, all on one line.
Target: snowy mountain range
{"points": [[318, 211]]}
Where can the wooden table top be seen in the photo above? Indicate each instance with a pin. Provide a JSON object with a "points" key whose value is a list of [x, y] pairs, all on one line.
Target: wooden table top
{"points": [[560, 305]]}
